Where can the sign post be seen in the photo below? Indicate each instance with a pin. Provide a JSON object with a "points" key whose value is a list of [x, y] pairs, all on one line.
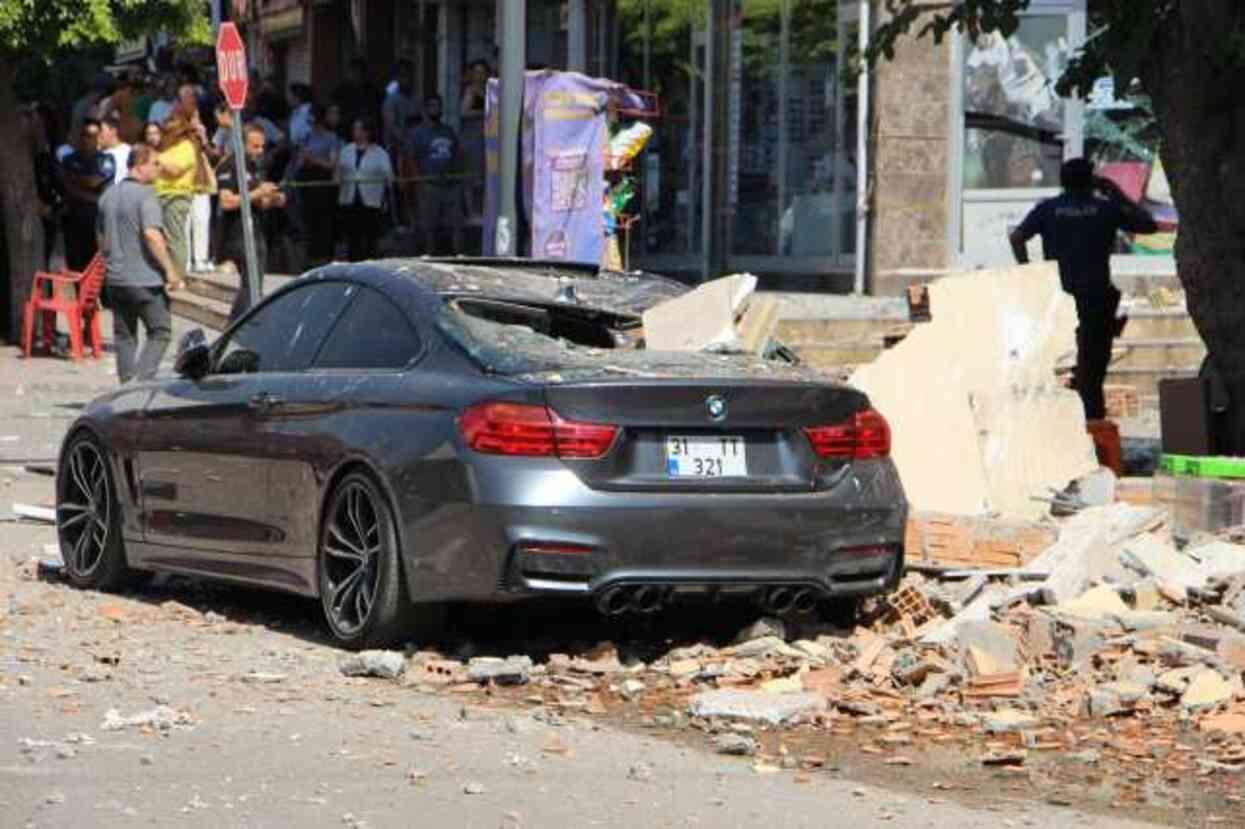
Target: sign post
{"points": [[231, 68]]}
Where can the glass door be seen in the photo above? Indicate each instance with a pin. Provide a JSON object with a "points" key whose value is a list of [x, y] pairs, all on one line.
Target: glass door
{"points": [[664, 48], [793, 145]]}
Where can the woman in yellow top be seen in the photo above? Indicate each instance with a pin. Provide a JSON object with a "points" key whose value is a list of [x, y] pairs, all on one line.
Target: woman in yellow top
{"points": [[183, 170]]}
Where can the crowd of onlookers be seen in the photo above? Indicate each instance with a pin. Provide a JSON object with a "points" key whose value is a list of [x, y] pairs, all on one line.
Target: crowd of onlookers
{"points": [[323, 170]]}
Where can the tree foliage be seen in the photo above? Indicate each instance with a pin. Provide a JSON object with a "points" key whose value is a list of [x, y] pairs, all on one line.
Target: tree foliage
{"points": [[48, 27]]}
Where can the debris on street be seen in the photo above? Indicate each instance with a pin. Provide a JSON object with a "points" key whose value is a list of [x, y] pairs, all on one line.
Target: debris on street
{"points": [[382, 664], [35, 512], [160, 719], [1097, 636]]}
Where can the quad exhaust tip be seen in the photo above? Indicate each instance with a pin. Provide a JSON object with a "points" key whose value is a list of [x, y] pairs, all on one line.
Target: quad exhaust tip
{"points": [[787, 601], [647, 599], [614, 600]]}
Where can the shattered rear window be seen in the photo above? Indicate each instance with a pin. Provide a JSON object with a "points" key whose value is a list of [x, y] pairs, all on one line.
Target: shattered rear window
{"points": [[563, 343]]}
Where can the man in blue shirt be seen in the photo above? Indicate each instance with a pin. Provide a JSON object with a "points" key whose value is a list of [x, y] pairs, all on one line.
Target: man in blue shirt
{"points": [[433, 147], [85, 173], [1078, 230]]}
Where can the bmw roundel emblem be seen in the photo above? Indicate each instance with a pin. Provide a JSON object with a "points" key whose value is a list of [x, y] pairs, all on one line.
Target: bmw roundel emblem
{"points": [[716, 405]]}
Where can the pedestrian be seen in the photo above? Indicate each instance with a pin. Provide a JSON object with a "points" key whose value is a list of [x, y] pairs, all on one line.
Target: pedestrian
{"points": [[365, 174], [300, 113], [162, 108], [85, 107], [399, 114], [399, 107], [265, 196], [471, 115], [139, 272], [121, 105], [153, 135], [85, 174], [201, 211], [222, 138], [433, 149], [317, 163], [1078, 230], [111, 143], [183, 171]]}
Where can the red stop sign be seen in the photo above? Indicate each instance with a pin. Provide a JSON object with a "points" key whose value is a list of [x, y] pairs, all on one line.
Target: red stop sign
{"points": [[231, 65]]}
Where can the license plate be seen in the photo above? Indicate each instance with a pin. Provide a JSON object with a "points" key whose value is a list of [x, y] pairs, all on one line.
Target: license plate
{"points": [[700, 456]]}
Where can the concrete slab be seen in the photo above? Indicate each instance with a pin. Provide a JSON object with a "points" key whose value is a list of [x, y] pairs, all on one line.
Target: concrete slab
{"points": [[979, 423], [755, 705]]}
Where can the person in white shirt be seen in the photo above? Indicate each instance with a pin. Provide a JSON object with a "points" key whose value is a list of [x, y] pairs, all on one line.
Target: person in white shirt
{"points": [[110, 142], [365, 175]]}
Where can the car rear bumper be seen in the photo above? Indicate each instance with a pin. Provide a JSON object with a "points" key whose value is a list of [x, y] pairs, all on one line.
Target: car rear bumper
{"points": [[847, 541]]}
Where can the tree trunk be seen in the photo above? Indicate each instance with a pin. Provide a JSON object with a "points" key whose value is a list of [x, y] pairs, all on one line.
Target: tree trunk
{"points": [[23, 231], [1200, 104]]}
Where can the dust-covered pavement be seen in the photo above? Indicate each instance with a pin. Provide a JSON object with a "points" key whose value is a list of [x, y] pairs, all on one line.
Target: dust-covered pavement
{"points": [[155, 708], [190, 704]]}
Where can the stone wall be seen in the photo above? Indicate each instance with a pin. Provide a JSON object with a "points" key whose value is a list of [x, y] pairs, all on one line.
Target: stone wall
{"points": [[910, 143]]}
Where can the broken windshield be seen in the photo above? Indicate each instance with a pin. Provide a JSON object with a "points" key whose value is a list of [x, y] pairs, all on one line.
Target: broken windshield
{"points": [[524, 339]]}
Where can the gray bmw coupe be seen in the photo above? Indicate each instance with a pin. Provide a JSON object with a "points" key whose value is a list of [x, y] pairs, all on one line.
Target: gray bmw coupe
{"points": [[400, 434]]}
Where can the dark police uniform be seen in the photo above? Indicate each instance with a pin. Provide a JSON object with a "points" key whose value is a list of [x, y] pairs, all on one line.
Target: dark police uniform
{"points": [[1079, 232], [233, 242]]}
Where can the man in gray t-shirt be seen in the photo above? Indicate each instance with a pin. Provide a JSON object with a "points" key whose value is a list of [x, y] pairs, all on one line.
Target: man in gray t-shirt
{"points": [[139, 272]]}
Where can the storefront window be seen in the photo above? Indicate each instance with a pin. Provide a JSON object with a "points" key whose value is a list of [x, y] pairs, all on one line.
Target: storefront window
{"points": [[796, 136], [1013, 118], [663, 49]]}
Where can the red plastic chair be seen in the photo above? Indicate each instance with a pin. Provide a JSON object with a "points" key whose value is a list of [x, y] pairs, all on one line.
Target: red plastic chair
{"points": [[81, 307]]}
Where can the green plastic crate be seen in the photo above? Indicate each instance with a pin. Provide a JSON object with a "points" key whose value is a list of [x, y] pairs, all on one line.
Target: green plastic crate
{"points": [[1193, 466]]}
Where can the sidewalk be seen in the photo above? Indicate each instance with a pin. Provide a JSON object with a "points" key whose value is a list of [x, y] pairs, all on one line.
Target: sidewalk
{"points": [[47, 392]]}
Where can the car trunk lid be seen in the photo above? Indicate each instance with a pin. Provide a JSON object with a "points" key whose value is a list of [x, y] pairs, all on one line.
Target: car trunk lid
{"points": [[705, 434]]}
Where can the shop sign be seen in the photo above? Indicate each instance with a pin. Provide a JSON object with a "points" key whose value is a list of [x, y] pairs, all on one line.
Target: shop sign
{"points": [[283, 24], [132, 49]]}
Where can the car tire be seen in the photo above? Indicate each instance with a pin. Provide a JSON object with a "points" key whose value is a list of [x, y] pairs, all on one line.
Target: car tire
{"points": [[88, 519], [362, 599]]}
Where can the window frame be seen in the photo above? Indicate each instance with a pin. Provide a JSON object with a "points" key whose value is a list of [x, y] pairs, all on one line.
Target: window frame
{"points": [[222, 343], [420, 340], [990, 249]]}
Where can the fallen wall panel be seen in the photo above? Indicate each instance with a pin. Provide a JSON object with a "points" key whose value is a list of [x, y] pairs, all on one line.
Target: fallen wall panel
{"points": [[980, 423]]}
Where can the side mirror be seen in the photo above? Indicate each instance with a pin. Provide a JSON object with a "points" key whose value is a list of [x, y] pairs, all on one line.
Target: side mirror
{"points": [[194, 356]]}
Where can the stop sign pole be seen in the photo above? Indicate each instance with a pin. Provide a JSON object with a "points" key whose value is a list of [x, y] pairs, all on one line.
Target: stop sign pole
{"points": [[232, 72]]}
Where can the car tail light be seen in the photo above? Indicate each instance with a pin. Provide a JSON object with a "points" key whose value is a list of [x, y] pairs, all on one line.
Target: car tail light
{"points": [[532, 431], [865, 435]]}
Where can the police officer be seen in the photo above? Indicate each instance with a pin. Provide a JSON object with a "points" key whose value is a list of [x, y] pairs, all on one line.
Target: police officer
{"points": [[1078, 230]]}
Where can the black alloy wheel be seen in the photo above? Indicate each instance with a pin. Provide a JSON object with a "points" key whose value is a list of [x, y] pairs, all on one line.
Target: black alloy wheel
{"points": [[360, 581], [88, 518]]}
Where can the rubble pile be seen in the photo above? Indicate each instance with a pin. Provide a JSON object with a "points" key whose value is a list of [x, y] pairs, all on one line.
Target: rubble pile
{"points": [[1125, 650]]}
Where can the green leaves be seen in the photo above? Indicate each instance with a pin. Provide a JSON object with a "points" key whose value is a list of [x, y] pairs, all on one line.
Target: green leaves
{"points": [[44, 28]]}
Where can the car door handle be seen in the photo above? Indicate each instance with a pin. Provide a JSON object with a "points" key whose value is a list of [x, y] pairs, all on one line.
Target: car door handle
{"points": [[264, 401]]}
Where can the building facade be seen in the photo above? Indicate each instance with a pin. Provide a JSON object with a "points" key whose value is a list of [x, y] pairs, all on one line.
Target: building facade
{"points": [[768, 156]]}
